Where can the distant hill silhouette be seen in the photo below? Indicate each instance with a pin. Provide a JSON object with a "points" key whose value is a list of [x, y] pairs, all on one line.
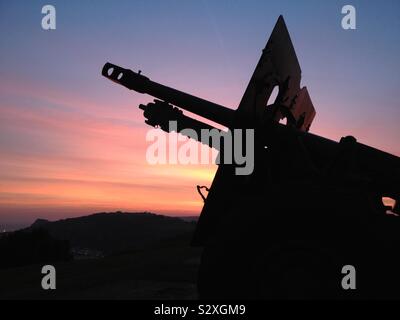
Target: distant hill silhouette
{"points": [[116, 232], [190, 218]]}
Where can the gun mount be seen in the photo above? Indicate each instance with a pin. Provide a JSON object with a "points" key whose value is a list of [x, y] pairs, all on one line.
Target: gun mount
{"points": [[291, 209]]}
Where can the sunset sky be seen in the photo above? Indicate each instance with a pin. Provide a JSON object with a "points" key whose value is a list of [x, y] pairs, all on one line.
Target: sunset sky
{"points": [[73, 143]]}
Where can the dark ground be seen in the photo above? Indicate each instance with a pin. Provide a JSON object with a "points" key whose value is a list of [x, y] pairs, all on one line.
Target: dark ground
{"points": [[163, 271]]}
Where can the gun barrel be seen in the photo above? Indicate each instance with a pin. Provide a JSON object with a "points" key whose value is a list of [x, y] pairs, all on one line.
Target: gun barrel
{"points": [[136, 81]]}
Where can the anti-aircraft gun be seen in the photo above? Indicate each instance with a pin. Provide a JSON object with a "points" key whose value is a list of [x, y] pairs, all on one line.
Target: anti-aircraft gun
{"points": [[311, 205]]}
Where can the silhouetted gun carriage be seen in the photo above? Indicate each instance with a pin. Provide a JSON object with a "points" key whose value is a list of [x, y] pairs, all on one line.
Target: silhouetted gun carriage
{"points": [[311, 205]]}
